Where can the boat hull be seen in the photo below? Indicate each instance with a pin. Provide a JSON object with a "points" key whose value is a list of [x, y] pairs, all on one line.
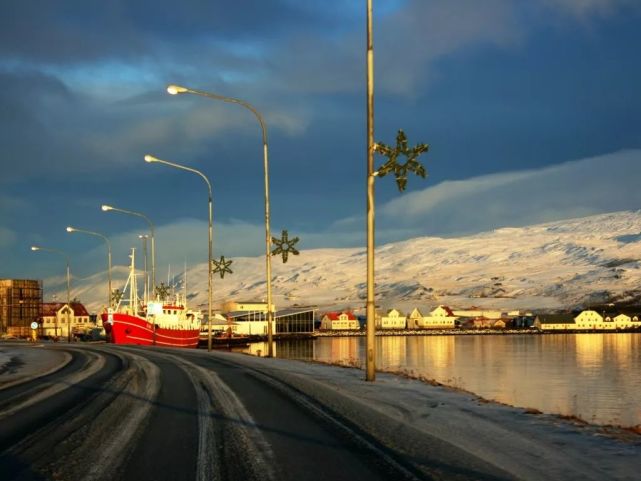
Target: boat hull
{"points": [[127, 329]]}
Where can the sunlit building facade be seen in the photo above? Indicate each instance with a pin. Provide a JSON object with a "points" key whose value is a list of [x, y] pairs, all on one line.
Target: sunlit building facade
{"points": [[20, 305]]}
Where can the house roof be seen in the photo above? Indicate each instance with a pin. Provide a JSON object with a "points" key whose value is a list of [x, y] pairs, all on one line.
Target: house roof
{"points": [[333, 316], [448, 310], [50, 309], [562, 318]]}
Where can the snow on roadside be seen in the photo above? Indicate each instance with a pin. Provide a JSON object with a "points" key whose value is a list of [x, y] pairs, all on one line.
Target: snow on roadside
{"points": [[21, 362], [528, 446]]}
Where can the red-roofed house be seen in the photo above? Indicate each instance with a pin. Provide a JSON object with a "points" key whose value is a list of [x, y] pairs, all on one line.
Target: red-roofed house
{"points": [[340, 321], [57, 316]]}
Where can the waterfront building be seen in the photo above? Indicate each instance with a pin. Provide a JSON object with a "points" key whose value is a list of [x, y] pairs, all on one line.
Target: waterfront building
{"points": [[441, 317], [20, 305], [340, 321], [57, 318], [486, 323], [622, 320], [394, 319], [478, 313], [587, 320], [219, 325], [415, 319], [295, 320]]}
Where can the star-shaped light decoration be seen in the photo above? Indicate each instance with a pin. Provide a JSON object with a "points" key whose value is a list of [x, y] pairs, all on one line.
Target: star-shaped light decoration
{"points": [[162, 291], [116, 295], [285, 246], [222, 266], [392, 165]]}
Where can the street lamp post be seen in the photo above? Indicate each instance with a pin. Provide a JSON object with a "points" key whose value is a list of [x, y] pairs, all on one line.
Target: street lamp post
{"points": [[176, 89], [107, 208], [97, 234], [48, 249], [152, 159], [370, 352], [400, 171]]}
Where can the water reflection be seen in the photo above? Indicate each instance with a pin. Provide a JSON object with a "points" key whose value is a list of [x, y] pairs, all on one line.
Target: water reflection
{"points": [[393, 349], [589, 350], [594, 376], [302, 349]]}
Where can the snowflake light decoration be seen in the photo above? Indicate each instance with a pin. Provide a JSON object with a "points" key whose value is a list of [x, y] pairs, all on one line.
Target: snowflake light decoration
{"points": [[116, 295], [162, 291], [285, 246], [222, 266], [392, 165]]}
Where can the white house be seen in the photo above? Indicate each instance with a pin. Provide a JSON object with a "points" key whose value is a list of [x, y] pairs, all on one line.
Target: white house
{"points": [[340, 321], [588, 320], [58, 316], [441, 317], [622, 320], [394, 319]]}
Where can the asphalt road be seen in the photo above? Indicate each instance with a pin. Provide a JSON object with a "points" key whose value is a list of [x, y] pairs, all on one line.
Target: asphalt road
{"points": [[132, 413]]}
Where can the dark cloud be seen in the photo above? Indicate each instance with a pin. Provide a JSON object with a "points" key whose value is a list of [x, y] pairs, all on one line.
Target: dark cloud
{"points": [[27, 103], [492, 86], [76, 30]]}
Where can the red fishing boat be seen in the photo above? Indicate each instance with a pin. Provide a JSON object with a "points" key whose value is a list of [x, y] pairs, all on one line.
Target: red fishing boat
{"points": [[161, 322]]}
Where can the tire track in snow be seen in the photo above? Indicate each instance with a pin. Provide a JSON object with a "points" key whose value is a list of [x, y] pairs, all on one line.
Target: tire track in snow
{"points": [[236, 431], [101, 432], [123, 419]]}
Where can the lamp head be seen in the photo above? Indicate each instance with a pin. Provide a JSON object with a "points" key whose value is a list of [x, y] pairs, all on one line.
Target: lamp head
{"points": [[150, 158], [176, 89], [35, 248], [70, 229], [106, 207]]}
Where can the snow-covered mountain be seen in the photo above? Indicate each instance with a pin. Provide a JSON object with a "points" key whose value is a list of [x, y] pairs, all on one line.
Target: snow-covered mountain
{"points": [[548, 266]]}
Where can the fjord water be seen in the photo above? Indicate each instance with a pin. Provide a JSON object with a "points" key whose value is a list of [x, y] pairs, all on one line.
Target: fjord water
{"points": [[596, 377]]}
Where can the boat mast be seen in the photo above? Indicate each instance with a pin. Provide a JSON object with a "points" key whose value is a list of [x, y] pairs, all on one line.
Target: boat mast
{"points": [[185, 286], [133, 288]]}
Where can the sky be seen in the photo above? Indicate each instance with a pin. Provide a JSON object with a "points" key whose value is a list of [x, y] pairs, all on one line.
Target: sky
{"points": [[532, 111]]}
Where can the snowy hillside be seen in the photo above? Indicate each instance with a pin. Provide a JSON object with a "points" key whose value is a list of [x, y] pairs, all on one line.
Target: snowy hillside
{"points": [[555, 265]]}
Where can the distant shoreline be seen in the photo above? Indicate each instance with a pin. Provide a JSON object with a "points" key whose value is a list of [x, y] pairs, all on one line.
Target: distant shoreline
{"points": [[439, 332]]}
